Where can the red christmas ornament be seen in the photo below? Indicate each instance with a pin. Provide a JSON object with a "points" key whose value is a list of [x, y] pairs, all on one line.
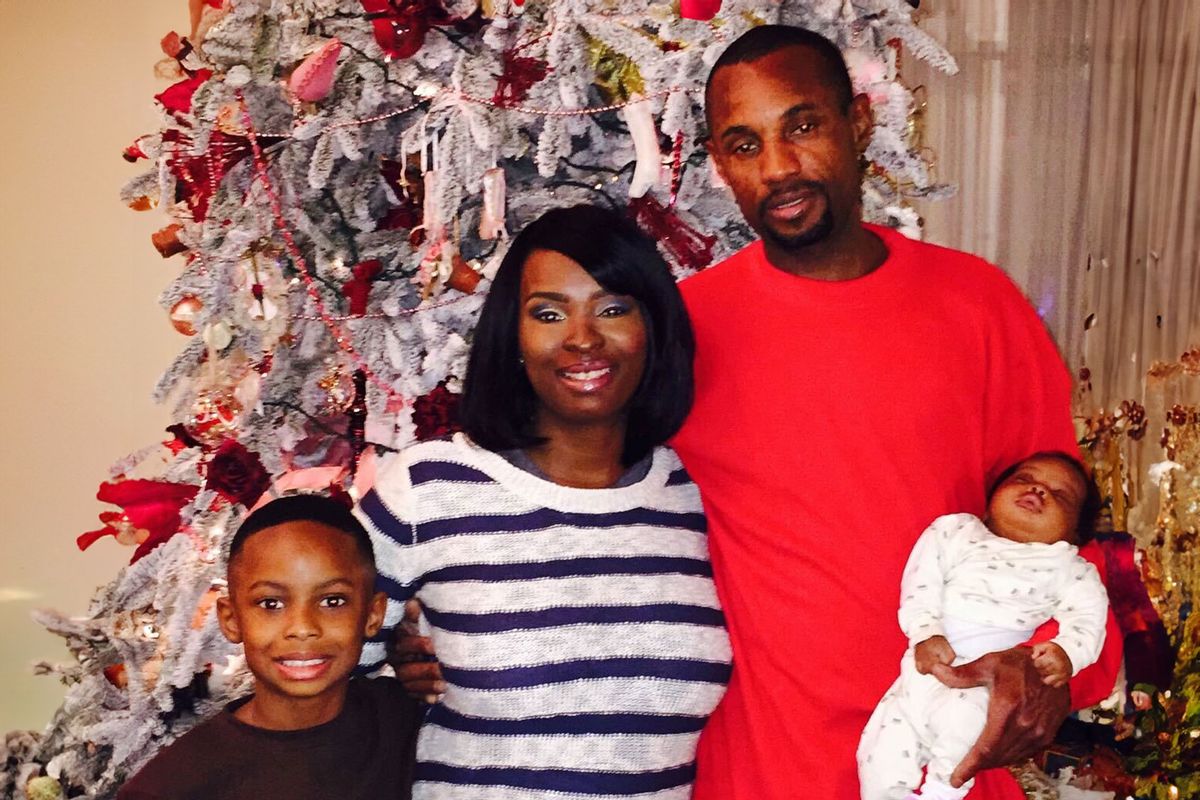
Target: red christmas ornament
{"points": [[358, 288], [150, 506], [184, 312], [400, 25], [699, 9], [313, 79], [462, 276], [115, 674]]}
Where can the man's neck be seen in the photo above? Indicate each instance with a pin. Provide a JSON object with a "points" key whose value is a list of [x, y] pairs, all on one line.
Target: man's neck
{"points": [[842, 256]]}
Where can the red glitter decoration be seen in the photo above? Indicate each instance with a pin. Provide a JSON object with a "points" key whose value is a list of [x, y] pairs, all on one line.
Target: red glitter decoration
{"points": [[519, 76], [436, 414], [687, 246]]}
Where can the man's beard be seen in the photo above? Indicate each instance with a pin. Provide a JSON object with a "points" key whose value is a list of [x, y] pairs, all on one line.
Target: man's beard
{"points": [[817, 232]]}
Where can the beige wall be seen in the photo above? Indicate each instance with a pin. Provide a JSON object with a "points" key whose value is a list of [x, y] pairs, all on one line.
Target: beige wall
{"points": [[82, 339]]}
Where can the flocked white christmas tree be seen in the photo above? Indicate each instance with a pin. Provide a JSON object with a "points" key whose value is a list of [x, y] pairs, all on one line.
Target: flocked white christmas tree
{"points": [[340, 177]]}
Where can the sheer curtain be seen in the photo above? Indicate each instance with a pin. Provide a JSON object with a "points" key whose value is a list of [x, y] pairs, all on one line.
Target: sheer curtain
{"points": [[1011, 132], [1143, 216], [1073, 135]]}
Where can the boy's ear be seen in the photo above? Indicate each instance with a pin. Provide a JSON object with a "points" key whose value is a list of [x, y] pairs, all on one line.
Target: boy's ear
{"points": [[227, 619], [375, 613]]}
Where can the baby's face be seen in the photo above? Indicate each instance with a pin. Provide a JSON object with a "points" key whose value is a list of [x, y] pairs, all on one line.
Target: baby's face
{"points": [[1040, 502]]}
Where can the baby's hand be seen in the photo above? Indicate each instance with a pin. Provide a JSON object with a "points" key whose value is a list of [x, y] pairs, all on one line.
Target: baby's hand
{"points": [[1052, 663], [934, 650]]}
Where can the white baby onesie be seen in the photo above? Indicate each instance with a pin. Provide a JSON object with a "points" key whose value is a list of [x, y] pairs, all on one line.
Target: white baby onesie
{"points": [[983, 593]]}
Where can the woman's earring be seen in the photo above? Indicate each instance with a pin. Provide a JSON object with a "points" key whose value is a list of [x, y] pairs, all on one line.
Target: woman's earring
{"points": [[521, 360]]}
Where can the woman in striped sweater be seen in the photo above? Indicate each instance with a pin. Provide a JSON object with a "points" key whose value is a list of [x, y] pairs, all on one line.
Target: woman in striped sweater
{"points": [[557, 547]]}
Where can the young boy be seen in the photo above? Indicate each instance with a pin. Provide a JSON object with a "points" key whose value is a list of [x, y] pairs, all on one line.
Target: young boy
{"points": [[976, 586], [301, 601]]}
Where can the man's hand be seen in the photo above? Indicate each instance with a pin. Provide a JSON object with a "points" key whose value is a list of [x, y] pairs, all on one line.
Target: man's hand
{"points": [[1053, 663], [1023, 712], [412, 657], [934, 650]]}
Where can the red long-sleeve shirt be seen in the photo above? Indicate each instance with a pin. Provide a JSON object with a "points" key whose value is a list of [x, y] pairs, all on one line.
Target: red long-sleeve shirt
{"points": [[834, 420]]}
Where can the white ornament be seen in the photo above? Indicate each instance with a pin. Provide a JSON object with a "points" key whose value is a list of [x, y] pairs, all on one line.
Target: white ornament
{"points": [[648, 169], [491, 218], [218, 335]]}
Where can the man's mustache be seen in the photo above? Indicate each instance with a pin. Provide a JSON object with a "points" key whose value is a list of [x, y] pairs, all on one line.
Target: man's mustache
{"points": [[790, 192]]}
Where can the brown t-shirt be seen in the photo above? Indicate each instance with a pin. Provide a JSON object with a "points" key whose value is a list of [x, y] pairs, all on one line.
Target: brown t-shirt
{"points": [[367, 751]]}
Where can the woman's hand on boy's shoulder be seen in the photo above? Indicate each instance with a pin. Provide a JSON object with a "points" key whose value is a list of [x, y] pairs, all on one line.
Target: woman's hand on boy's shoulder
{"points": [[414, 660]]}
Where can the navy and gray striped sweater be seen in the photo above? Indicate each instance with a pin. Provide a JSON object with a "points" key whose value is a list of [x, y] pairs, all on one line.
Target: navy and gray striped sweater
{"points": [[578, 629]]}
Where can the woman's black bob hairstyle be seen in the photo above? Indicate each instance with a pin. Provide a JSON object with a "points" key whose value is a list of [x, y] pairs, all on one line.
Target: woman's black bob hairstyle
{"points": [[499, 405]]}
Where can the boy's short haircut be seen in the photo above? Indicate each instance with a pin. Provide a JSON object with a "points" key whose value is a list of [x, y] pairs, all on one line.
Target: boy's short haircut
{"points": [[305, 507], [1089, 508]]}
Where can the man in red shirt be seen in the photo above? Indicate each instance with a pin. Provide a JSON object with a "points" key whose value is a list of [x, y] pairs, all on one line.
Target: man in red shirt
{"points": [[851, 386]]}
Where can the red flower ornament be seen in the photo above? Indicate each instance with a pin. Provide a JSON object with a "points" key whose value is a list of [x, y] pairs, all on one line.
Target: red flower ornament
{"points": [[237, 474], [149, 515]]}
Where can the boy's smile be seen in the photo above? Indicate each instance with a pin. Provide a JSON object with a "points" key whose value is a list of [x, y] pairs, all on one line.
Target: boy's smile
{"points": [[301, 603]]}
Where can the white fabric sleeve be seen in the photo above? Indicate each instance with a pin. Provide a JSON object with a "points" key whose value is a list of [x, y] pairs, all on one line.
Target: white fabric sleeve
{"points": [[923, 581], [1082, 614]]}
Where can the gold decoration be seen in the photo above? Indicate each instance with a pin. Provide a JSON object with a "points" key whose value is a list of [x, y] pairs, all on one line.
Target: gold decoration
{"points": [[1103, 438], [338, 384], [617, 76], [1177, 527]]}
